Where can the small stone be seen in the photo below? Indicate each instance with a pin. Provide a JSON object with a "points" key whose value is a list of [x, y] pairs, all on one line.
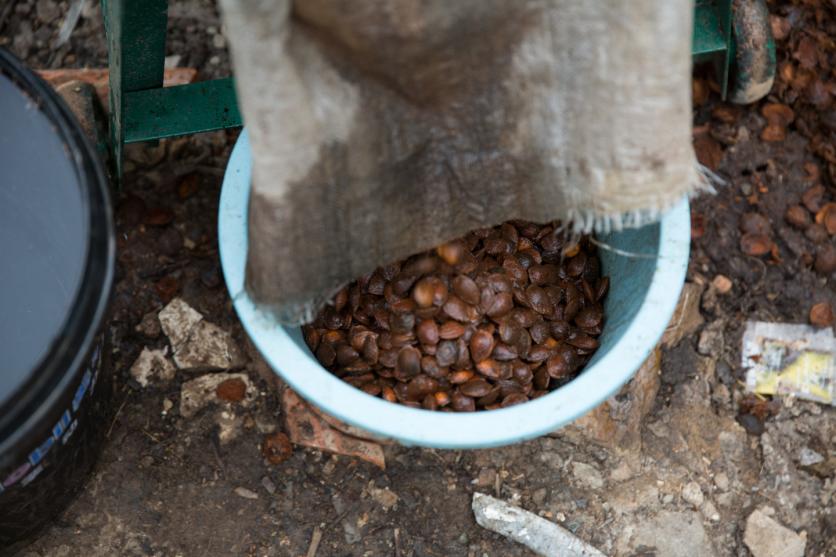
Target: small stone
{"points": [[384, 497], [218, 41], [765, 537], [152, 365], [486, 478], [667, 498], [463, 539], [268, 485], [709, 511], [539, 496], [711, 339], [809, 457], [721, 480], [202, 391], [146, 461], [692, 493], [621, 473], [245, 493], [587, 475], [826, 259], [167, 406], [197, 343], [722, 284], [150, 325]]}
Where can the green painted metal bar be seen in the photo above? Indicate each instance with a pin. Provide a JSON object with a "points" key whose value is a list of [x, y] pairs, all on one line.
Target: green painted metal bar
{"points": [[180, 110], [135, 32], [708, 33]]}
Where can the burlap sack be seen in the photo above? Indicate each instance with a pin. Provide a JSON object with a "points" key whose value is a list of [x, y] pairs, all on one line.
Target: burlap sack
{"points": [[383, 127]]}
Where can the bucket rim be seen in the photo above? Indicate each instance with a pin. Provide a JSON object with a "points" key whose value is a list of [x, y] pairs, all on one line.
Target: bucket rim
{"points": [[443, 430]]}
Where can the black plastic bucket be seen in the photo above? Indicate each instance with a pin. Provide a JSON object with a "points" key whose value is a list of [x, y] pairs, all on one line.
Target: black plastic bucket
{"points": [[57, 254]]}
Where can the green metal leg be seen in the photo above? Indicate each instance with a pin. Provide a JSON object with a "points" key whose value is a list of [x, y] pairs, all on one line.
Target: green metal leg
{"points": [[136, 57]]}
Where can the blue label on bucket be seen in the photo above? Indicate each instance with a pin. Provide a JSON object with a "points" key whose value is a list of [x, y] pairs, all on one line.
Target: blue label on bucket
{"points": [[60, 432]]}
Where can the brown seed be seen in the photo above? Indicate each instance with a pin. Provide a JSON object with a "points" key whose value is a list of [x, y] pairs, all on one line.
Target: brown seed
{"points": [[424, 291], [458, 309], [372, 389], [389, 394], [376, 284], [346, 355], [371, 352], [774, 132], [503, 352], [466, 289], [590, 316], [463, 358], [827, 217], [276, 447], [560, 329], [755, 223], [501, 305], [798, 216], [602, 288], [409, 362], [402, 283], [475, 388], [388, 358], [826, 259], [490, 369], [451, 252], [755, 245], [429, 403], [489, 398], [779, 114], [514, 398], [571, 250], [821, 315], [538, 353], [816, 233], [427, 332], [446, 353], [429, 365], [509, 232], [539, 332], [481, 345], [574, 302], [442, 399], [404, 305], [231, 390], [462, 403], [420, 387], [812, 198], [541, 275], [326, 354], [515, 270], [461, 376], [401, 322], [498, 282], [576, 265], [451, 330], [538, 300], [312, 337], [541, 378], [341, 299], [498, 246], [524, 317], [521, 372], [582, 341], [558, 367]]}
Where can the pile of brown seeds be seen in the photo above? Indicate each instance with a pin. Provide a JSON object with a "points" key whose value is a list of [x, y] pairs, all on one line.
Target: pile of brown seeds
{"points": [[497, 318]]}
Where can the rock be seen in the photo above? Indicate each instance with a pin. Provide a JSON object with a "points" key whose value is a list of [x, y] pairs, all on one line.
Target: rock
{"points": [[245, 493], [616, 423], [671, 534], [622, 472], [486, 478], [152, 365], [150, 325], [47, 11], [809, 457], [198, 393], [197, 344], [268, 485], [722, 284], [765, 537], [692, 493], [538, 534], [587, 475], [384, 497], [709, 511], [711, 339], [721, 480], [686, 317]]}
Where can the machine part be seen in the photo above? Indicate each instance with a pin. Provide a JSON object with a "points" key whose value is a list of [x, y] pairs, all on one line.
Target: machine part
{"points": [[58, 250], [753, 57]]}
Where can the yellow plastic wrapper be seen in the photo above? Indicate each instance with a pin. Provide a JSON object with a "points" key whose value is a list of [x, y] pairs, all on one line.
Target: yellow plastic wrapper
{"points": [[790, 360]]}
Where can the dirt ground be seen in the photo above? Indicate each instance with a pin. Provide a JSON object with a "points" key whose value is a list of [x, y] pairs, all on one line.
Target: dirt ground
{"points": [[166, 485]]}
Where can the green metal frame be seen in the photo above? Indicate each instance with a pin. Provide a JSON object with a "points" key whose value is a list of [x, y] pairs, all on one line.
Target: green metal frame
{"points": [[141, 109]]}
